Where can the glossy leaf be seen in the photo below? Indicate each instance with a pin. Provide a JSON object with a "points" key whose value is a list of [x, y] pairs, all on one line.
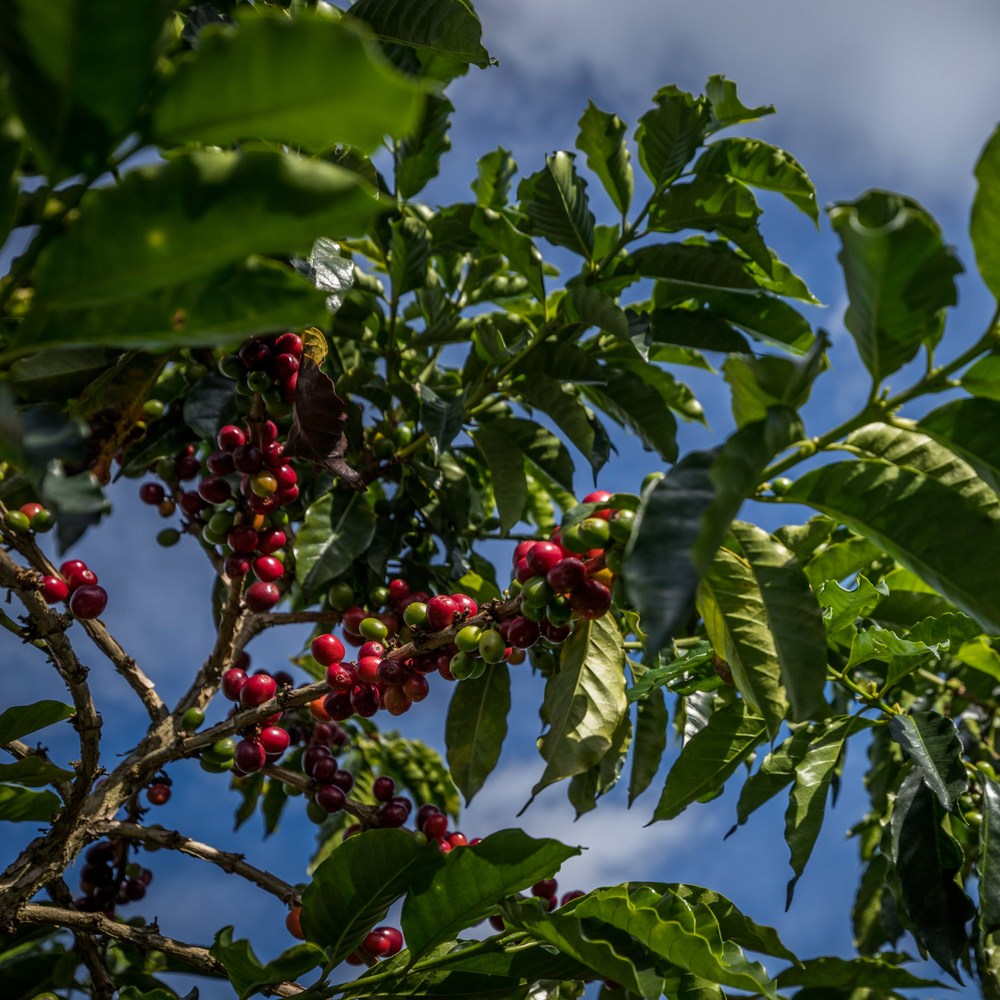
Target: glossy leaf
{"points": [[446, 28], [711, 756], [807, 800], [586, 788], [409, 255], [246, 972], [210, 405], [555, 202], [762, 166], [793, 617], [476, 727], [983, 378], [730, 602], [687, 268], [506, 465], [602, 138], [839, 560], [33, 772], [21, 805], [899, 274], [692, 328], [493, 174], [988, 862], [499, 232], [843, 607], [441, 419], [727, 109], [336, 530], [984, 226], [928, 527], [686, 660], [676, 395], [471, 883], [684, 518], [776, 772], [353, 889], [20, 720], [926, 861], [78, 75], [763, 317], [669, 134], [634, 403], [649, 743], [418, 156], [980, 655], [54, 375], [139, 236], [269, 79], [964, 426], [856, 973], [931, 741], [584, 702]]}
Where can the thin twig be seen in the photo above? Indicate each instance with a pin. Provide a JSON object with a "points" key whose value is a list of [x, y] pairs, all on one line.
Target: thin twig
{"points": [[253, 625], [85, 945]]}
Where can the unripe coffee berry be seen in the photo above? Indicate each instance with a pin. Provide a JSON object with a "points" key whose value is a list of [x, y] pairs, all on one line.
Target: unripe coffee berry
{"points": [[373, 629], [294, 925], [192, 719], [491, 647], [781, 485], [415, 614]]}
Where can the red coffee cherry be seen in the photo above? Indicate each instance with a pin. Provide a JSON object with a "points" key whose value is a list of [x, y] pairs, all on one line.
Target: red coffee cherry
{"points": [[436, 825], [555, 633], [191, 503], [257, 690], [548, 886], [324, 770], [274, 455], [214, 489], [465, 603], [53, 589], [327, 649], [288, 385], [268, 433], [152, 493], [294, 925], [392, 814], [134, 890], [416, 687], [426, 810], [383, 788], [522, 632], [249, 756], [338, 705], [567, 896], [368, 669], [263, 505], [398, 589], [242, 538], [247, 458], [441, 611], [286, 477], [289, 343], [566, 575], [523, 572], [522, 550], [542, 556], [71, 566], [591, 599], [395, 940], [598, 496], [395, 700], [457, 840], [238, 564], [88, 601], [267, 569], [364, 700], [230, 437], [255, 354], [344, 780], [352, 619], [392, 671], [232, 683], [187, 467], [220, 463], [158, 794], [274, 740], [261, 597], [330, 798], [270, 540], [376, 943], [312, 757], [341, 676], [372, 649], [285, 365]]}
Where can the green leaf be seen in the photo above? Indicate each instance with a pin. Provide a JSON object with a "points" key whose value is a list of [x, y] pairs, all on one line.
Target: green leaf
{"points": [[669, 134], [793, 617], [21, 805], [762, 166], [988, 862], [807, 800], [542, 447], [781, 280], [949, 631], [931, 741], [584, 702], [650, 742], [984, 226], [634, 403], [983, 378], [980, 655], [856, 973], [493, 174], [11, 150], [711, 756], [844, 607], [468, 887], [905, 446], [476, 727], [441, 419], [499, 232], [33, 772], [964, 426], [602, 138], [555, 202], [593, 308], [690, 268], [730, 602], [337, 529], [447, 28], [418, 156], [273, 805], [685, 661], [245, 971], [409, 255], [692, 328], [19, 720], [866, 914], [353, 889], [926, 526], [269, 79], [250, 788], [676, 395], [586, 788], [506, 464], [763, 317], [53, 376], [683, 519], [78, 74], [927, 860], [899, 274], [839, 560], [727, 109], [413, 765], [142, 235], [775, 772], [210, 405]]}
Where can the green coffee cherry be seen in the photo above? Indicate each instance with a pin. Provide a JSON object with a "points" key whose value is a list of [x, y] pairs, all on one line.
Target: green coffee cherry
{"points": [[415, 614], [153, 409], [614, 557], [595, 532], [536, 592], [404, 434], [372, 628], [291, 790], [781, 485], [15, 520], [379, 596], [559, 611], [211, 537], [192, 719], [279, 519], [514, 588], [232, 367], [986, 768], [383, 448], [168, 537], [461, 666], [532, 613], [478, 667], [620, 525], [341, 596], [133, 870], [653, 477], [974, 818], [420, 837], [166, 471], [43, 521], [243, 389], [492, 647], [315, 812], [221, 522], [572, 541], [225, 747], [468, 638], [215, 767]]}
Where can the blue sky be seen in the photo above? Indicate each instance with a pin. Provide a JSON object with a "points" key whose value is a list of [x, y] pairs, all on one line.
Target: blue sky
{"points": [[895, 95]]}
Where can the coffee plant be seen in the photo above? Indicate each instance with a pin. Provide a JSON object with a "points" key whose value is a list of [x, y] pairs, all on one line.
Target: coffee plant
{"points": [[340, 394]]}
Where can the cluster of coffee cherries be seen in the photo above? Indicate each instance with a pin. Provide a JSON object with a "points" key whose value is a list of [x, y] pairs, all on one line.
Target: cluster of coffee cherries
{"points": [[107, 880], [248, 523], [545, 891], [79, 583], [381, 942], [268, 365], [29, 517], [570, 576]]}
